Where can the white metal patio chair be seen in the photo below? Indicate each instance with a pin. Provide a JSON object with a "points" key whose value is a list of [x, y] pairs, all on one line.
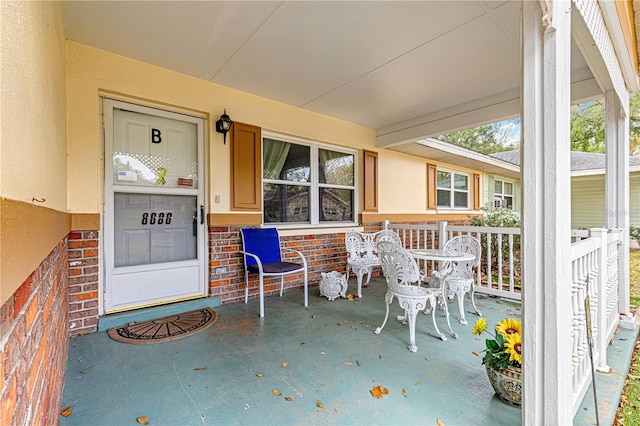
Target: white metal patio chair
{"points": [[403, 281], [460, 277], [362, 254], [263, 256]]}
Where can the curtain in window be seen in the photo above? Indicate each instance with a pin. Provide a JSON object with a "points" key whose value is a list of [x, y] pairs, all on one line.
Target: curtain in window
{"points": [[325, 156], [274, 156]]}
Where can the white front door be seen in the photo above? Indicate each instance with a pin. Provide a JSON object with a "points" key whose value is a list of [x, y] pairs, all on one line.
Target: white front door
{"points": [[154, 216]]}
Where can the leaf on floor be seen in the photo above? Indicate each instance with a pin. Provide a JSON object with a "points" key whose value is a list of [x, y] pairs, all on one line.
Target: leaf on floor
{"points": [[404, 393], [379, 391], [341, 323], [284, 364], [201, 368], [323, 353], [287, 398], [348, 363], [258, 374], [359, 363], [439, 422], [319, 404], [354, 328], [66, 411], [352, 297], [83, 372], [418, 383], [276, 392], [475, 353], [144, 420]]}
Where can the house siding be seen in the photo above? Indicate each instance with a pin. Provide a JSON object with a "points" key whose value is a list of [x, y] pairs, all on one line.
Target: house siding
{"points": [[34, 335], [588, 201]]}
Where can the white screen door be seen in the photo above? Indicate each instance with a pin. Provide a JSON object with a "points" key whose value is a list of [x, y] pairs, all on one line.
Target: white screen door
{"points": [[154, 218]]}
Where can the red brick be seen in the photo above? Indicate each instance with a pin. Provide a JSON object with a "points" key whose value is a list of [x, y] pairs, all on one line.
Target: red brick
{"points": [[91, 253], [75, 235], [21, 296]]}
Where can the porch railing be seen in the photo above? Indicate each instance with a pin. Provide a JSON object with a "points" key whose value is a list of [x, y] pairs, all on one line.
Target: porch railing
{"points": [[500, 263], [594, 271], [594, 267]]}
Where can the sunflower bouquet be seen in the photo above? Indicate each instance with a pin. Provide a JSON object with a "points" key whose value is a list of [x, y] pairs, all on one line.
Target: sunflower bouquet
{"points": [[505, 349]]}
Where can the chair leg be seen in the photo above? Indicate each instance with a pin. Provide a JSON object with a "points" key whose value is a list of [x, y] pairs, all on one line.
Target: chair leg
{"points": [[473, 301], [261, 296], [411, 315], [246, 287], [433, 301], [306, 289], [446, 314], [360, 272], [281, 284], [460, 297], [388, 299]]}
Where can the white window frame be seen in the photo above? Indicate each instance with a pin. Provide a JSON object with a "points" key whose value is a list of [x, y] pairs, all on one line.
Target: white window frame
{"points": [[452, 190], [314, 185], [502, 195]]}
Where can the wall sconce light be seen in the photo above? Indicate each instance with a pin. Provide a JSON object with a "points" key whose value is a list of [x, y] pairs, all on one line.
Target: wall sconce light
{"points": [[224, 125]]}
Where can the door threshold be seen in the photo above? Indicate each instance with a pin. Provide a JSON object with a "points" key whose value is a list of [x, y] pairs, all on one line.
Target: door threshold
{"points": [[120, 319]]}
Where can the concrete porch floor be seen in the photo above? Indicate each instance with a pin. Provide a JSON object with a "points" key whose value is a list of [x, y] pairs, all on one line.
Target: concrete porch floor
{"points": [[226, 373]]}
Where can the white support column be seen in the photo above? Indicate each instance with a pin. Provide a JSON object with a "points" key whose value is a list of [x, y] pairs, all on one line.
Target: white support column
{"points": [[546, 225], [617, 188]]}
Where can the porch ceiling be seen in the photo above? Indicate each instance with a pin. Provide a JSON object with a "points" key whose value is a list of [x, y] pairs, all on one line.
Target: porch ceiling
{"points": [[383, 65]]}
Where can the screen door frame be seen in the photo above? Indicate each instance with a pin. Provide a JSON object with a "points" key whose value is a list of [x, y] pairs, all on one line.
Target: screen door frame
{"points": [[112, 291]]}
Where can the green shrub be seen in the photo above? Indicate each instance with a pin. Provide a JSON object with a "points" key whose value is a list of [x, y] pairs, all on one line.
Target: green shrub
{"points": [[634, 233], [499, 217]]}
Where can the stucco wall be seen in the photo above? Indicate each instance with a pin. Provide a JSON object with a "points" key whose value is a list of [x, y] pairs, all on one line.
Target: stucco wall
{"points": [[33, 167], [92, 72], [33, 148]]}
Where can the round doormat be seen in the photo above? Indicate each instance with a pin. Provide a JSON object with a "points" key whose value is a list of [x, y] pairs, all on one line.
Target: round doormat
{"points": [[163, 329]]}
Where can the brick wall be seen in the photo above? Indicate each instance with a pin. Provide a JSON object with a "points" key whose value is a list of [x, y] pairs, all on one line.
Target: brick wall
{"points": [[83, 282], [34, 338], [323, 252]]}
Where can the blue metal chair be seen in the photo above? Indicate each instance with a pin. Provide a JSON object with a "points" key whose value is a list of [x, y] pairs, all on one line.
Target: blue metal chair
{"points": [[263, 256]]}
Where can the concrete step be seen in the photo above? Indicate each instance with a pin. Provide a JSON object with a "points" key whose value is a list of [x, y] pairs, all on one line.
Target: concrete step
{"points": [[145, 314]]}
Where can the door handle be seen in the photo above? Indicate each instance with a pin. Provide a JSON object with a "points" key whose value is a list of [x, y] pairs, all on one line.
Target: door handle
{"points": [[201, 214]]}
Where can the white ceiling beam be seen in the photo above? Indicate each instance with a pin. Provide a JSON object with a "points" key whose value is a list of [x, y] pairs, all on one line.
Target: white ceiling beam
{"points": [[502, 106]]}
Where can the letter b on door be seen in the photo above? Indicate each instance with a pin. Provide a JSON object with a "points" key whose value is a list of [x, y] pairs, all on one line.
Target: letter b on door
{"points": [[156, 136]]}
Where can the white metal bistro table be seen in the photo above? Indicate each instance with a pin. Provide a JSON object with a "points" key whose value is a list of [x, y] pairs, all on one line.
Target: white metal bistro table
{"points": [[441, 275]]}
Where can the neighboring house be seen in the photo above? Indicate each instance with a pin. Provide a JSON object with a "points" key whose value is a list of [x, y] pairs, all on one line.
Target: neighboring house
{"points": [[587, 187]]}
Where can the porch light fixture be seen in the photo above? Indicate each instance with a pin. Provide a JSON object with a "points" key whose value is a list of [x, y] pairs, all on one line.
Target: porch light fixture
{"points": [[224, 125]]}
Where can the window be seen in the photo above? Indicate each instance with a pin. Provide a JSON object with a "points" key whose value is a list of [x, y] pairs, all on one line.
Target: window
{"points": [[307, 183], [503, 194], [452, 190]]}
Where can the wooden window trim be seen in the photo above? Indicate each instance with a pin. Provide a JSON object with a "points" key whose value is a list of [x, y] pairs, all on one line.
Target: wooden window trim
{"points": [[476, 191], [246, 167], [370, 166], [431, 186]]}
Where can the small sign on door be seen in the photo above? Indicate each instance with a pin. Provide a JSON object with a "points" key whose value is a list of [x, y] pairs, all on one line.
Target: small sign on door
{"points": [[185, 182]]}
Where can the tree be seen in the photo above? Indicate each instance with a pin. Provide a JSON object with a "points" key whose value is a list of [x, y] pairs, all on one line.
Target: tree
{"points": [[587, 126], [488, 138], [587, 131]]}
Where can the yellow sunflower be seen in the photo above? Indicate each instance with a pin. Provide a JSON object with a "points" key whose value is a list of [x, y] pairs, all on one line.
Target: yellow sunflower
{"points": [[509, 326], [513, 346], [480, 326]]}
